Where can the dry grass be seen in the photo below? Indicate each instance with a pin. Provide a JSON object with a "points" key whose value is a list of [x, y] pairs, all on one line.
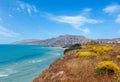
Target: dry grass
{"points": [[80, 69], [83, 70]]}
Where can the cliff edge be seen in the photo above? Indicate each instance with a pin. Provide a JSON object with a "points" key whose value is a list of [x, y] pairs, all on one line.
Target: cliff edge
{"points": [[81, 68], [57, 71]]}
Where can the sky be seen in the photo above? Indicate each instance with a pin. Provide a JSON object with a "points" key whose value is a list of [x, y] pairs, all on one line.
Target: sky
{"points": [[43, 19]]}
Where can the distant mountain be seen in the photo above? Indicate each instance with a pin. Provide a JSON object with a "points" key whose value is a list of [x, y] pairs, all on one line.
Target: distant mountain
{"points": [[29, 41], [65, 40], [58, 41], [114, 40]]}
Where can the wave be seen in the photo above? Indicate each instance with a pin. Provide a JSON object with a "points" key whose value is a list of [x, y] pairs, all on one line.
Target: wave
{"points": [[3, 75], [36, 61], [7, 72], [24, 57]]}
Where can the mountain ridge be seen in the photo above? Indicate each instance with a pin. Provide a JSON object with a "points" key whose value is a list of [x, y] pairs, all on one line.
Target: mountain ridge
{"points": [[57, 41], [65, 40]]}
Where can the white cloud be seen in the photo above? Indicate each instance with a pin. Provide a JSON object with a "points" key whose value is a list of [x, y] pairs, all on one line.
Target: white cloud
{"points": [[75, 21], [113, 9], [110, 9], [4, 32], [118, 19], [26, 8]]}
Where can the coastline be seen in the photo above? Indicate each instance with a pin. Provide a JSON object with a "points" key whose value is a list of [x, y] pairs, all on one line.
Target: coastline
{"points": [[56, 70], [72, 68], [56, 47], [26, 61]]}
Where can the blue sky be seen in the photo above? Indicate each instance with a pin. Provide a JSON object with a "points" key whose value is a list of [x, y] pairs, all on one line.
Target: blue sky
{"points": [[42, 19]]}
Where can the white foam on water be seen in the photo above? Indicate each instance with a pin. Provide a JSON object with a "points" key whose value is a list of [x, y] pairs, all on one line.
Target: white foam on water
{"points": [[41, 59], [3, 75], [36, 61], [7, 72]]}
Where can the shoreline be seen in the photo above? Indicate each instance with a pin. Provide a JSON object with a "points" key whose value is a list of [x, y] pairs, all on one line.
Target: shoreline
{"points": [[56, 47], [57, 68], [25, 61], [72, 68]]}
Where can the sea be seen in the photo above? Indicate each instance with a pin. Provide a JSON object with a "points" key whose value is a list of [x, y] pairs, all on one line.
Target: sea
{"points": [[23, 63]]}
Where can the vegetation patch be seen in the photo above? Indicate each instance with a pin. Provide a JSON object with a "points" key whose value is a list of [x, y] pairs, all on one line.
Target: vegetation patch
{"points": [[86, 54], [91, 62], [101, 49], [73, 47], [107, 67], [106, 58], [118, 57]]}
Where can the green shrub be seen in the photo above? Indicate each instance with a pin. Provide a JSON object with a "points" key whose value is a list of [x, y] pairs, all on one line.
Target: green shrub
{"points": [[73, 47]]}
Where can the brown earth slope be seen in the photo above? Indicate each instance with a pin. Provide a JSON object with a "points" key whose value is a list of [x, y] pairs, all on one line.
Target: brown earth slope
{"points": [[75, 69]]}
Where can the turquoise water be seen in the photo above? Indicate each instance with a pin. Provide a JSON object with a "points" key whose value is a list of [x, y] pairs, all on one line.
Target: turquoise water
{"points": [[22, 63]]}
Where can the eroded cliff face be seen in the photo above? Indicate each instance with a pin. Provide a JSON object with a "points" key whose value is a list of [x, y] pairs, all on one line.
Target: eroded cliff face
{"points": [[57, 71], [79, 69]]}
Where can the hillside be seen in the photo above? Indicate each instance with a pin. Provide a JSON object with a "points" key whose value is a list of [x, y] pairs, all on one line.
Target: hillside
{"points": [[58, 41], [82, 66], [64, 40]]}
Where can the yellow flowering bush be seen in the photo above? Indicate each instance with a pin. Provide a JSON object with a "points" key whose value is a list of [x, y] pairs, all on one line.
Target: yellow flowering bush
{"points": [[107, 48], [108, 67], [86, 54], [118, 57], [101, 49], [106, 58]]}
